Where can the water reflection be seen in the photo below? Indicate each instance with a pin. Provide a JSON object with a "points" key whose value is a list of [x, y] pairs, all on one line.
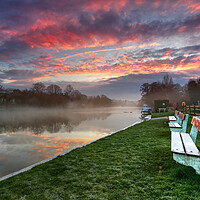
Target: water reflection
{"points": [[51, 120], [30, 135]]}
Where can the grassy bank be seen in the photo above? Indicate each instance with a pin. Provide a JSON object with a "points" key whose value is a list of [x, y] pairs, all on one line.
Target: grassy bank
{"points": [[162, 114], [133, 164]]}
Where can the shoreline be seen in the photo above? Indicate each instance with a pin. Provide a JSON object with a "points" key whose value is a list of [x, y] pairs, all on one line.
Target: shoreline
{"points": [[61, 154]]}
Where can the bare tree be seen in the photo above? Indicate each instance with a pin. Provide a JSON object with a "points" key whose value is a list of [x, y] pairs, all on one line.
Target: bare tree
{"points": [[54, 89], [69, 90], [167, 80], [38, 87]]}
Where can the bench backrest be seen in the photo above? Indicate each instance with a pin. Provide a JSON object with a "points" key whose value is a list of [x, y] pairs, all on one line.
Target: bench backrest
{"points": [[180, 119], [176, 113], [181, 116], [184, 118], [195, 128]]}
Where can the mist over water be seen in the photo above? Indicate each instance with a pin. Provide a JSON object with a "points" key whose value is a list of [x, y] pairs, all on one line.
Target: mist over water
{"points": [[29, 135], [52, 120]]}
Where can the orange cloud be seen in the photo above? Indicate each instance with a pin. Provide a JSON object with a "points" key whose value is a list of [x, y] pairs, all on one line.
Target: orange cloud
{"points": [[9, 32], [154, 44], [197, 58], [181, 29], [105, 5], [139, 2], [124, 57], [157, 3], [125, 65], [188, 66], [38, 78], [42, 23], [193, 7], [168, 53], [142, 46], [97, 61], [68, 40]]}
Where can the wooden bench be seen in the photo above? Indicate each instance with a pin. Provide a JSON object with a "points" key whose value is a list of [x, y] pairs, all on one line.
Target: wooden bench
{"points": [[181, 124], [174, 118], [183, 146]]}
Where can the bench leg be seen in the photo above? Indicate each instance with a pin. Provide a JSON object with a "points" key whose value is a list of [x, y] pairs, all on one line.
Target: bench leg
{"points": [[191, 161]]}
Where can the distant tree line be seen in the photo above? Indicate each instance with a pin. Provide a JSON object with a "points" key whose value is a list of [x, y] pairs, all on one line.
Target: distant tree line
{"points": [[52, 95], [167, 89]]}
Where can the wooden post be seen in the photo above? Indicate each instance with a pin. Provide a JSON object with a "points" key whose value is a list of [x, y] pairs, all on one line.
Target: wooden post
{"points": [[194, 109], [192, 112], [197, 110]]}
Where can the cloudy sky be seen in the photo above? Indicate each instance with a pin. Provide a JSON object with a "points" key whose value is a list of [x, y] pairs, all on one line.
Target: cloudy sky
{"points": [[106, 47]]}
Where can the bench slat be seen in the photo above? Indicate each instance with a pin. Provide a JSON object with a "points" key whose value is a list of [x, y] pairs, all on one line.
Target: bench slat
{"points": [[176, 143], [190, 147], [174, 125], [172, 118]]}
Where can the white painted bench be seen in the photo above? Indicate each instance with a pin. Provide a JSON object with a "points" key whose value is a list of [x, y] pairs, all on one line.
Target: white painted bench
{"points": [[183, 146], [174, 118], [181, 124]]}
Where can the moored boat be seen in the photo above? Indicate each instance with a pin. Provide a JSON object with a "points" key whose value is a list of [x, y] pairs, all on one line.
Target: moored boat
{"points": [[145, 111]]}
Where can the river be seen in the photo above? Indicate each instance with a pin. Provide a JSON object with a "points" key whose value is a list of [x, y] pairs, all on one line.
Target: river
{"points": [[30, 135]]}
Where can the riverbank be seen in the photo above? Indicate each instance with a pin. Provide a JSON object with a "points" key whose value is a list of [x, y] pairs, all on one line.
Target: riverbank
{"points": [[135, 163]]}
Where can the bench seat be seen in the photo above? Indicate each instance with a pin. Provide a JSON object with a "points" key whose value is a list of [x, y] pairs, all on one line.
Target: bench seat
{"points": [[174, 125], [172, 118], [180, 125], [182, 143]]}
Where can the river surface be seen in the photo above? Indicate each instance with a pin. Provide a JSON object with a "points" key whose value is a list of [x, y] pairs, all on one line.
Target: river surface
{"points": [[30, 135]]}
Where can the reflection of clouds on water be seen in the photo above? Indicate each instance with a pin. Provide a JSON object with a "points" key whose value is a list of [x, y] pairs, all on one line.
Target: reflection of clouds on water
{"points": [[24, 150], [56, 146]]}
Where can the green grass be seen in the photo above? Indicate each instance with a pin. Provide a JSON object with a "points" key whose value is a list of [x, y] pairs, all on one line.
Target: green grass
{"points": [[162, 114], [132, 164]]}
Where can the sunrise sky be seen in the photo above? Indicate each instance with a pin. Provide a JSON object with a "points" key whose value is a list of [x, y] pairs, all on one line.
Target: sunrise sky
{"points": [[106, 47]]}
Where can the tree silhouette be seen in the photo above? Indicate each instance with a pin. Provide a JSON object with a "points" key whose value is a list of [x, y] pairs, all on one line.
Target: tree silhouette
{"points": [[38, 87], [54, 89], [49, 96], [167, 80], [161, 90], [194, 90], [69, 90]]}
